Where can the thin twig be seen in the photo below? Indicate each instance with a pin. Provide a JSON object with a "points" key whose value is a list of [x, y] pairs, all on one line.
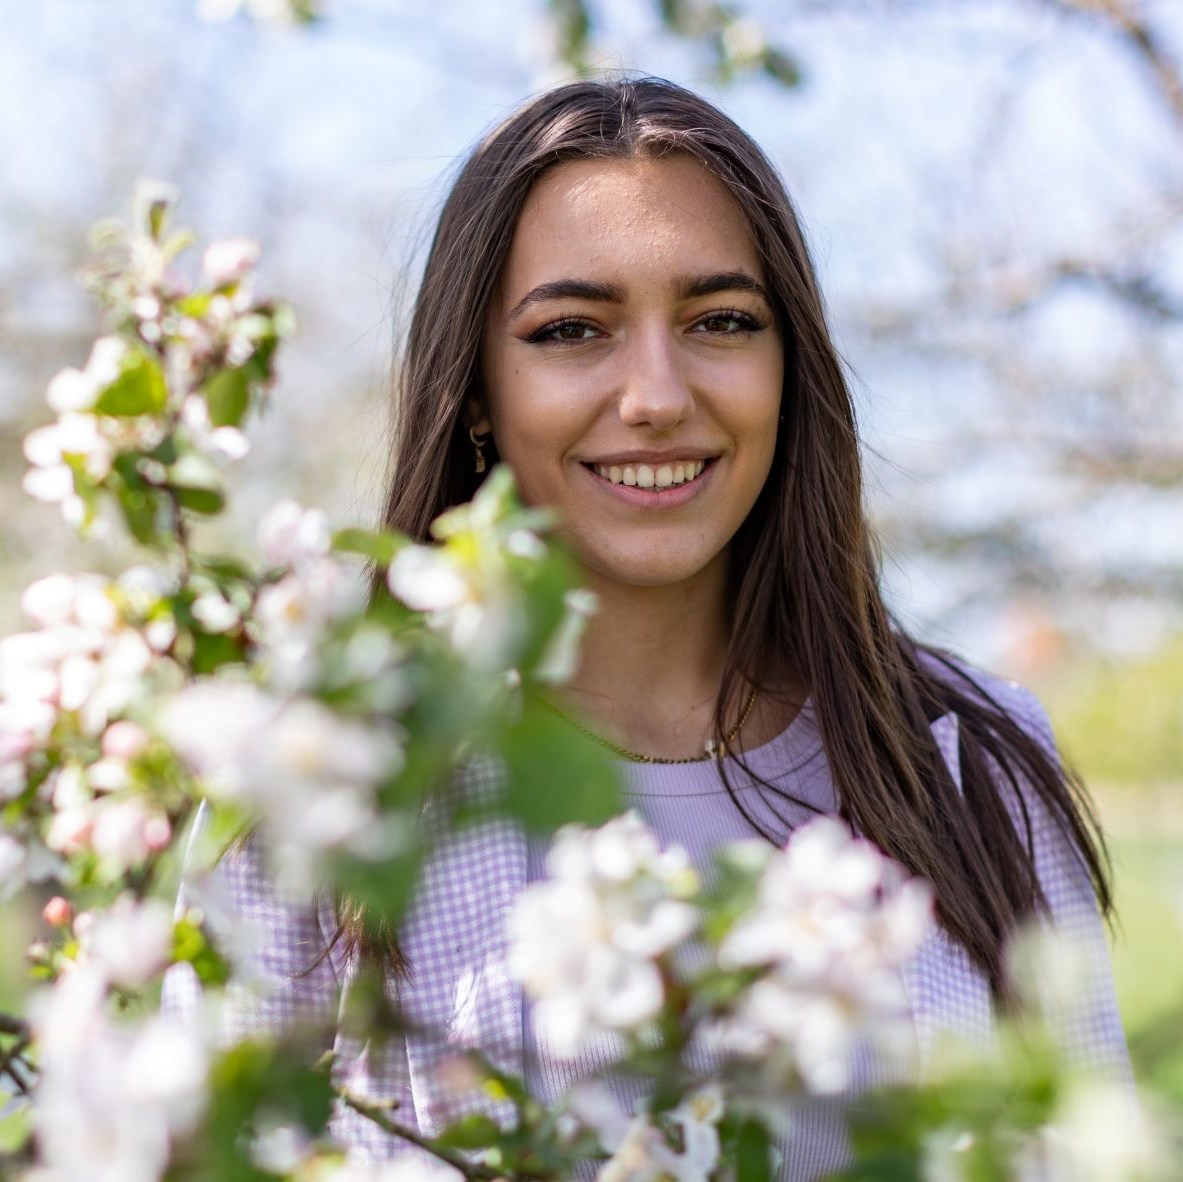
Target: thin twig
{"points": [[181, 533], [1142, 39], [9, 1061], [11, 1024], [379, 1115]]}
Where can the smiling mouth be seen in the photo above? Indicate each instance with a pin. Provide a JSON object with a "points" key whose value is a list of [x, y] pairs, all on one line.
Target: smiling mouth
{"points": [[655, 476]]}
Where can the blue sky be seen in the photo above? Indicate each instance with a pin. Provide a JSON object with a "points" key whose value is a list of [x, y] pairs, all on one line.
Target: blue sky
{"points": [[990, 129]]}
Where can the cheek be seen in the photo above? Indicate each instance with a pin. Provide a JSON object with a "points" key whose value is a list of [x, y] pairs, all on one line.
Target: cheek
{"points": [[535, 425]]}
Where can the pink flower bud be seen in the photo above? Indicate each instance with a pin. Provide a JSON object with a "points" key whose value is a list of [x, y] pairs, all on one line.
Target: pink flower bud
{"points": [[157, 832], [124, 739], [70, 830], [57, 912]]}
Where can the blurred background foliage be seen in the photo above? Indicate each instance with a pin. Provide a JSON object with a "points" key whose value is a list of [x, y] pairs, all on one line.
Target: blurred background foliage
{"points": [[993, 191]]}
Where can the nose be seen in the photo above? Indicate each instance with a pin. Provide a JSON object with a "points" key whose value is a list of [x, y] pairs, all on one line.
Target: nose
{"points": [[654, 391]]}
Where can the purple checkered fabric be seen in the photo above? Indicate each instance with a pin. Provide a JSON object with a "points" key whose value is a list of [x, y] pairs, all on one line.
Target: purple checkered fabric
{"points": [[455, 941]]}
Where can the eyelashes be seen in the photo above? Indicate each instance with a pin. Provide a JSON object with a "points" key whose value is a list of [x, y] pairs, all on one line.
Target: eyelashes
{"points": [[548, 334], [575, 329], [745, 321]]}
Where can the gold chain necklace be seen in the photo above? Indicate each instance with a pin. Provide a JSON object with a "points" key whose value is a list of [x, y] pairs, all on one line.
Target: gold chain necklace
{"points": [[712, 749]]}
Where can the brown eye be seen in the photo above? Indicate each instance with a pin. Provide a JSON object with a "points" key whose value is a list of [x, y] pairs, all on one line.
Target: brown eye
{"points": [[563, 330], [729, 323]]}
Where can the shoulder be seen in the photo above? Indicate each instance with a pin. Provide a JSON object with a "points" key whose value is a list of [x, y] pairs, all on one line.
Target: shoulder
{"points": [[999, 693]]}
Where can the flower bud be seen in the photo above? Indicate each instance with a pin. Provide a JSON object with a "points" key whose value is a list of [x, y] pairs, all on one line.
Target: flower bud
{"points": [[124, 740], [57, 912]]}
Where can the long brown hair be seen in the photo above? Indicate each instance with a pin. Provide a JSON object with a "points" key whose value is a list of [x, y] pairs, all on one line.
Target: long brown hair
{"points": [[804, 596]]}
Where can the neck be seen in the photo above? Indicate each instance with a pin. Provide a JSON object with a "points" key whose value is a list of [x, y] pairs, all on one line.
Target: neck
{"points": [[651, 663]]}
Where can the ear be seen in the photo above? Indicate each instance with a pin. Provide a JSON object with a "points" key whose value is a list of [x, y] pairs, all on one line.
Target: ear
{"points": [[476, 418]]}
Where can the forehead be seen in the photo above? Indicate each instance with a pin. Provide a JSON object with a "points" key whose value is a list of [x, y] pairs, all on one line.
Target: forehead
{"points": [[610, 218]]}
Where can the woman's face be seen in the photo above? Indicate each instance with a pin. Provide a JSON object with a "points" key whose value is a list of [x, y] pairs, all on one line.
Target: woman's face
{"points": [[633, 366]]}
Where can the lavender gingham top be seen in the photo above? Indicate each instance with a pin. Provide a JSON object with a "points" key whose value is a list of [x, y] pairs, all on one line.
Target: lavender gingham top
{"points": [[455, 941]]}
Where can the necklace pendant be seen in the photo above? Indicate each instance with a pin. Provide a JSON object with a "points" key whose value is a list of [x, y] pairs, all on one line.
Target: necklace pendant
{"points": [[711, 748]]}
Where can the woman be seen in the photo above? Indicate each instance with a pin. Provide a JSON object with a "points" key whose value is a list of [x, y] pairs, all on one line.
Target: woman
{"points": [[619, 304]]}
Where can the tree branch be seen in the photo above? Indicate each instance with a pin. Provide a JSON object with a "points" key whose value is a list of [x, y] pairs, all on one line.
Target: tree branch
{"points": [[379, 1115], [11, 1024], [1142, 39]]}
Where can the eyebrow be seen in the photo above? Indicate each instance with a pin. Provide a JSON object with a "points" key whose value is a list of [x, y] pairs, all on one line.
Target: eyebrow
{"points": [[610, 293]]}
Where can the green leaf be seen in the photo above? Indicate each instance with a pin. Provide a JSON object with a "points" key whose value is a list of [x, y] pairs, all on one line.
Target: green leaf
{"points": [[139, 507], [205, 501], [573, 24], [782, 68], [381, 547], [197, 484], [223, 568], [177, 243], [213, 650], [556, 775], [195, 305], [471, 1132], [191, 947], [138, 390], [228, 396], [245, 1081], [752, 1158]]}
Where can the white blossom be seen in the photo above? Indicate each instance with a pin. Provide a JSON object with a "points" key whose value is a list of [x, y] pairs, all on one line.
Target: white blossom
{"points": [[71, 390], [25, 726], [229, 261], [561, 658], [12, 865], [84, 657], [290, 535], [294, 614], [1100, 1132], [106, 361], [833, 923], [640, 1152], [410, 1166], [111, 1098], [310, 773], [76, 436], [471, 601], [70, 829], [219, 444], [129, 942], [125, 830], [214, 612], [428, 579], [585, 943]]}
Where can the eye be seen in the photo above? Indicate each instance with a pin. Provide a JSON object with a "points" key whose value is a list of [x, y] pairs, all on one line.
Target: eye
{"points": [[565, 330], [729, 322]]}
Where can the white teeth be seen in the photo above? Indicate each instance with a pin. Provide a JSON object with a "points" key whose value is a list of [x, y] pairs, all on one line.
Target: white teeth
{"points": [[646, 476]]}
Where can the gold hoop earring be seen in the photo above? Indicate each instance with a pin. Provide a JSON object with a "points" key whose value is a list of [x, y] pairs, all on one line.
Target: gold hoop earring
{"points": [[478, 446]]}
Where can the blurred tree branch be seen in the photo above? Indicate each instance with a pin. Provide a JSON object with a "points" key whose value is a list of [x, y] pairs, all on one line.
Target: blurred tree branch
{"points": [[736, 44]]}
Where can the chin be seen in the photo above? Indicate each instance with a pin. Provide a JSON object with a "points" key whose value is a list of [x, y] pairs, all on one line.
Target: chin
{"points": [[647, 568]]}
